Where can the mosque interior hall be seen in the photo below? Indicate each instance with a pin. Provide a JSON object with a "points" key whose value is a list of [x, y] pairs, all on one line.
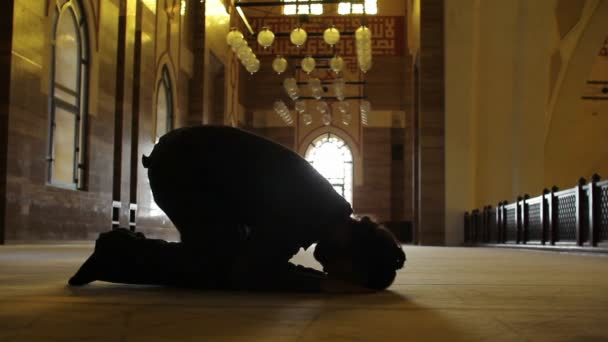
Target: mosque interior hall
{"points": [[474, 130]]}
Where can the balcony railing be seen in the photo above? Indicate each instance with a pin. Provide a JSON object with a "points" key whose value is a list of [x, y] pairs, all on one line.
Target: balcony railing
{"points": [[575, 218]]}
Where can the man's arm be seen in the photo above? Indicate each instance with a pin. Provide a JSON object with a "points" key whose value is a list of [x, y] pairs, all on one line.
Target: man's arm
{"points": [[285, 277], [290, 278]]}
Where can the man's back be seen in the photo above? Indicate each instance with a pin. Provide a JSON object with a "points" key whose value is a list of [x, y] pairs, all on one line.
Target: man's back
{"points": [[224, 174]]}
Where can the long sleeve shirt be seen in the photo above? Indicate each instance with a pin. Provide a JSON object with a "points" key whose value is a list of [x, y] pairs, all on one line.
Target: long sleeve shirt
{"points": [[222, 176]]}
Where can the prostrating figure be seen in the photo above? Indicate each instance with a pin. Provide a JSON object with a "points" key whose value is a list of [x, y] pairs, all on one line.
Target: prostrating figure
{"points": [[244, 206]]}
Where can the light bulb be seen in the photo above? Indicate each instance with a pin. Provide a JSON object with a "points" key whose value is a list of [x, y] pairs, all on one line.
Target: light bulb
{"points": [[322, 107], [365, 108], [307, 119], [253, 66], [326, 119], [346, 119], [363, 33], [344, 107], [265, 37], [308, 64], [363, 37], [237, 43], [339, 85], [331, 36], [298, 37], [248, 58], [279, 65], [366, 65], [291, 87], [233, 35], [315, 88], [243, 52], [336, 64], [301, 107]]}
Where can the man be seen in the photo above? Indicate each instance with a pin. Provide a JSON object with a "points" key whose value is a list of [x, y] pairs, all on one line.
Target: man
{"points": [[244, 206]]}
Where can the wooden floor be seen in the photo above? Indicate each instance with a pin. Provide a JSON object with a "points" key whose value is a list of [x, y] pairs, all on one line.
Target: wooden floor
{"points": [[443, 294]]}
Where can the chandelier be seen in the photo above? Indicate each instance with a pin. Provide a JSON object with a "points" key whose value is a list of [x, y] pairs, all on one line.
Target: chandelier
{"points": [[298, 36]]}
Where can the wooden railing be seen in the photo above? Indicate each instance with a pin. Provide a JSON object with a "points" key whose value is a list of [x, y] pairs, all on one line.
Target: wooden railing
{"points": [[575, 218]]}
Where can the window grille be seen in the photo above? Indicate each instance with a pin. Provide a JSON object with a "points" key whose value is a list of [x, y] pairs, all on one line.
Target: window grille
{"points": [[302, 7]]}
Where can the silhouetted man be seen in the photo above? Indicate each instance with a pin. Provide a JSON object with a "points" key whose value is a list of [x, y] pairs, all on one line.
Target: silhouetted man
{"points": [[243, 206]]}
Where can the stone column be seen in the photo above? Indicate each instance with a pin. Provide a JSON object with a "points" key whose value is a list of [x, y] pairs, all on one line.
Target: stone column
{"points": [[431, 129], [197, 83], [125, 61], [6, 43]]}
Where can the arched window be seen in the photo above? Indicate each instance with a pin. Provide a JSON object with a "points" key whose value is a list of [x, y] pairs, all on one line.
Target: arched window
{"points": [[332, 157], [164, 105], [68, 97]]}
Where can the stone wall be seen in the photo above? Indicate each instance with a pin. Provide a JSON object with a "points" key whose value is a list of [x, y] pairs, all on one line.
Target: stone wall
{"points": [[129, 43]]}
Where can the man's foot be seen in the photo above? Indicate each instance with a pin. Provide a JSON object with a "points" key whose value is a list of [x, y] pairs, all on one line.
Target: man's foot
{"points": [[88, 272], [106, 246]]}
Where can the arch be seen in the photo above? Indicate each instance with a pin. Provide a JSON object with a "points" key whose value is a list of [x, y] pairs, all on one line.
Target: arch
{"points": [[333, 158], [68, 96], [164, 104], [352, 143], [165, 68], [86, 11], [165, 60], [572, 77], [566, 132]]}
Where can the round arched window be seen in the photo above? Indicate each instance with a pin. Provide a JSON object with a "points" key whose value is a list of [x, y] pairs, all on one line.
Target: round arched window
{"points": [[68, 97], [332, 157]]}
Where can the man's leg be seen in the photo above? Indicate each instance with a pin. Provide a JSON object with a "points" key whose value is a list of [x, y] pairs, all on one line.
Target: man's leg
{"points": [[183, 188], [122, 256], [196, 207]]}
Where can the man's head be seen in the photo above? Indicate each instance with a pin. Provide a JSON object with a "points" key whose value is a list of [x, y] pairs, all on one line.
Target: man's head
{"points": [[362, 252]]}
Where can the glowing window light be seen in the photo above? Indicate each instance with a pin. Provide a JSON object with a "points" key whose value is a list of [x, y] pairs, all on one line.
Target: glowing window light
{"points": [[344, 8], [371, 6], [182, 9], [290, 9], [371, 10], [303, 7], [357, 8], [316, 9], [215, 7], [150, 4], [333, 159]]}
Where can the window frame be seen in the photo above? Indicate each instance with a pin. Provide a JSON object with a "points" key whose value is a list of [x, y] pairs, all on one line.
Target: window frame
{"points": [[76, 12], [368, 7], [325, 138], [297, 4]]}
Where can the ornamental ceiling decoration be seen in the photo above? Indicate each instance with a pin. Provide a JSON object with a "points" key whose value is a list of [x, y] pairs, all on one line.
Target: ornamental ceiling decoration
{"points": [[388, 38]]}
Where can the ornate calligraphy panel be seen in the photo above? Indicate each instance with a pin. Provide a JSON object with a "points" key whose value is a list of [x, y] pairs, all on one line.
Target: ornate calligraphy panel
{"points": [[388, 35]]}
